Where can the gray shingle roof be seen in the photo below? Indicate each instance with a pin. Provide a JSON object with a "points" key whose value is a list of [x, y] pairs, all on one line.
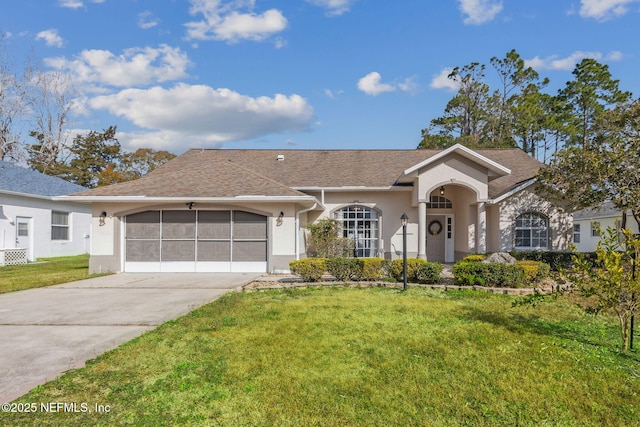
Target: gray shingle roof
{"points": [[22, 180], [222, 172]]}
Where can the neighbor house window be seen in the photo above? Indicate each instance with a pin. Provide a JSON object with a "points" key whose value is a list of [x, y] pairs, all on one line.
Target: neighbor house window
{"points": [[576, 233], [594, 228], [360, 224], [59, 225], [532, 231]]}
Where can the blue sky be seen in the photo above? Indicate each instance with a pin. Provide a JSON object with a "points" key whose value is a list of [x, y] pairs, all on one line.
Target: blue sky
{"points": [[309, 74]]}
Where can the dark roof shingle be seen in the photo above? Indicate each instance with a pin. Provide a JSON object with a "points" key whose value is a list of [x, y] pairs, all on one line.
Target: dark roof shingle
{"points": [[228, 173]]}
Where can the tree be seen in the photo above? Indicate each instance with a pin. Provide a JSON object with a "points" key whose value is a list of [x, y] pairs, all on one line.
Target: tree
{"points": [[326, 241], [12, 107], [599, 160], [588, 95], [463, 116], [91, 155], [519, 93], [510, 116], [611, 284], [50, 101], [142, 161]]}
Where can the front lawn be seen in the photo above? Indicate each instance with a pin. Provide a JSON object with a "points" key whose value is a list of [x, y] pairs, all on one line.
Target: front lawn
{"points": [[347, 356], [45, 272]]}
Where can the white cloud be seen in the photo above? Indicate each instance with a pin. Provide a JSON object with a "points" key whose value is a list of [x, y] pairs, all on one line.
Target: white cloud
{"points": [[442, 80], [201, 114], [225, 22], [75, 4], [134, 67], [334, 7], [568, 63], [479, 11], [602, 10], [371, 84], [71, 4], [333, 94], [50, 37], [146, 20]]}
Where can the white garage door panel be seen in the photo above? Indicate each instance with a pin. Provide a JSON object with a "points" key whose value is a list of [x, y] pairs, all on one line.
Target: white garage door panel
{"points": [[196, 241]]}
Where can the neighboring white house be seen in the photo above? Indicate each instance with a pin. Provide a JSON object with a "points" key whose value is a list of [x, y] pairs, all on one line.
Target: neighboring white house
{"points": [[247, 210], [585, 237], [31, 219]]}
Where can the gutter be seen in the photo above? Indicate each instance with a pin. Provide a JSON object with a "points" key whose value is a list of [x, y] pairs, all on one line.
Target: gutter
{"points": [[511, 192], [297, 228]]}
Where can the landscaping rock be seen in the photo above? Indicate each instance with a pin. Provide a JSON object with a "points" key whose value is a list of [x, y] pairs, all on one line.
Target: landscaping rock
{"points": [[500, 258]]}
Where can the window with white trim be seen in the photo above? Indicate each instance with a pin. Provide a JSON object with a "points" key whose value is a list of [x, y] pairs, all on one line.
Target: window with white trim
{"points": [[594, 228], [360, 224], [576, 233], [439, 202], [59, 225], [532, 231]]}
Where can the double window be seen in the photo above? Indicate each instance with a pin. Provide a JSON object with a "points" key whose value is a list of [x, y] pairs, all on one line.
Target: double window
{"points": [[532, 231], [360, 224], [59, 225]]}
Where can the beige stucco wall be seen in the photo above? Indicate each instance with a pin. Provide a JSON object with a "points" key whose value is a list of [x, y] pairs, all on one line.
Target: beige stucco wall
{"points": [[391, 205], [560, 223], [455, 170]]}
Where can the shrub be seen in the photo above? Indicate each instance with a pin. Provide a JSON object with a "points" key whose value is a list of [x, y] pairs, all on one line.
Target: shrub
{"points": [[489, 274], [534, 271], [326, 240], [428, 272], [311, 269], [344, 269], [556, 260], [474, 258], [373, 268], [412, 268]]}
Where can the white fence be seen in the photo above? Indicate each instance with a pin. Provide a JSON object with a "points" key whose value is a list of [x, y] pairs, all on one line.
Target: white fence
{"points": [[13, 256]]}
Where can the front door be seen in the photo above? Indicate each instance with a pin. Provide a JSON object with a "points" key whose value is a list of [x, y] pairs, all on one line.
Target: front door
{"points": [[436, 235], [23, 235]]}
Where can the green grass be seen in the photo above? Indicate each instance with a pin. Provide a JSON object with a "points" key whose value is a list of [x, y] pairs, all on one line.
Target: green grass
{"points": [[371, 357], [45, 272]]}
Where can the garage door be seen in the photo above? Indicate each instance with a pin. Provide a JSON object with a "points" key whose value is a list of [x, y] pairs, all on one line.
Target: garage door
{"points": [[195, 241]]}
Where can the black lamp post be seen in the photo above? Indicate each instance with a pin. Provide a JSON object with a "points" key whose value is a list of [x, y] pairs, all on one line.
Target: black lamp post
{"points": [[403, 219]]}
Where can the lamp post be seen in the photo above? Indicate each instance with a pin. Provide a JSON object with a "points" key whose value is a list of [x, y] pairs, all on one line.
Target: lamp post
{"points": [[403, 219]]}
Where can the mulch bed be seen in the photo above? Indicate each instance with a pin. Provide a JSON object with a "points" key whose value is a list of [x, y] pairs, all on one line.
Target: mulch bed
{"points": [[270, 282]]}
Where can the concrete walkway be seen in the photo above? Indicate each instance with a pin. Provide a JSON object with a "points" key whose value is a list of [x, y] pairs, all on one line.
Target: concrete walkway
{"points": [[46, 331]]}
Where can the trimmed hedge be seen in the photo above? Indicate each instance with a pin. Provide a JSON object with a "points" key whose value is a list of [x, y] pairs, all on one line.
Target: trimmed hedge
{"points": [[429, 272], [374, 268], [397, 268], [556, 260], [474, 258], [488, 274], [344, 269], [311, 269], [534, 271]]}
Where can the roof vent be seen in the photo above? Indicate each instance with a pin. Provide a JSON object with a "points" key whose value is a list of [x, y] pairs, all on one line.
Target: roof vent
{"points": [[280, 157]]}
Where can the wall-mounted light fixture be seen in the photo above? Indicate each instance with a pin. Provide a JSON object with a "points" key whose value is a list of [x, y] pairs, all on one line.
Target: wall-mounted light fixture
{"points": [[442, 190], [190, 205], [280, 218], [103, 217]]}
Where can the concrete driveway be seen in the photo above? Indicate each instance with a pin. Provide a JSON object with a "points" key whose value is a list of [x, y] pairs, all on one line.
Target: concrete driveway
{"points": [[46, 331]]}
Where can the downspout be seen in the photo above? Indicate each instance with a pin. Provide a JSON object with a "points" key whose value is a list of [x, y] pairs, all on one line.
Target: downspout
{"points": [[297, 233]]}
